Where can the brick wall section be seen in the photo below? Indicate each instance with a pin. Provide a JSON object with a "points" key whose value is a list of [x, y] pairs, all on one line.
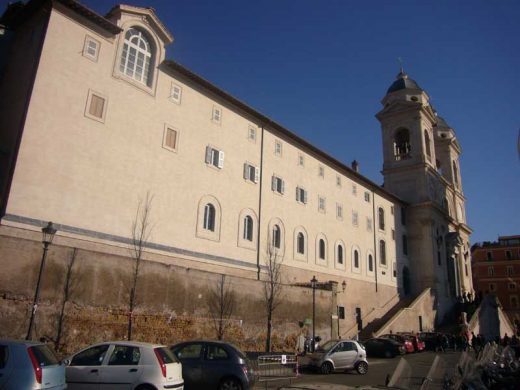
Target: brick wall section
{"points": [[171, 305]]}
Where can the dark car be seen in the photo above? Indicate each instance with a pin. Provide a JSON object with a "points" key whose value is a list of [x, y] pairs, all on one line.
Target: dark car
{"points": [[383, 347], [208, 365], [407, 342]]}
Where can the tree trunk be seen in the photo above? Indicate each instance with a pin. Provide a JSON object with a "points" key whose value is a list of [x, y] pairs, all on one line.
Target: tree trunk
{"points": [[269, 329]]}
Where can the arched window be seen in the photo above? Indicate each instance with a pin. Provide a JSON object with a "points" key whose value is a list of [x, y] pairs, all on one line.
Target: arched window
{"points": [[248, 228], [382, 252], [136, 56], [356, 259], [402, 146], [427, 145], [209, 217], [277, 237], [321, 249], [455, 173], [381, 215], [340, 254], [370, 263], [300, 243]]}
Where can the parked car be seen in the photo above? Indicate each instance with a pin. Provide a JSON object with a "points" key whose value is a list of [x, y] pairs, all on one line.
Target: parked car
{"points": [[430, 340], [383, 347], [208, 365], [29, 365], [339, 354], [407, 343], [124, 365], [418, 344]]}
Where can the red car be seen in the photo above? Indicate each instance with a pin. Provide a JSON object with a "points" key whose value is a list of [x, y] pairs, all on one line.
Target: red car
{"points": [[418, 344], [407, 343]]}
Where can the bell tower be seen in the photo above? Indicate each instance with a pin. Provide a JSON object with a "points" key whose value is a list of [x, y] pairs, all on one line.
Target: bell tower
{"points": [[420, 152]]}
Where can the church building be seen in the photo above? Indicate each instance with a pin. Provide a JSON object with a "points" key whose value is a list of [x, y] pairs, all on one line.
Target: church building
{"points": [[95, 121]]}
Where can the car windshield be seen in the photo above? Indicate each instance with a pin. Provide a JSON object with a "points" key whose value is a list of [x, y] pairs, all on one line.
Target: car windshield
{"points": [[327, 346]]}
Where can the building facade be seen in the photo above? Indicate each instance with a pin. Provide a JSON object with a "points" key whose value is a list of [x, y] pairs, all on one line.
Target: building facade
{"points": [[98, 118], [496, 270]]}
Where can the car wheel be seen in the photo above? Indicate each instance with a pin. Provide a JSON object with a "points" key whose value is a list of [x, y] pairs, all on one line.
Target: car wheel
{"points": [[230, 384], [362, 368], [326, 368], [145, 387]]}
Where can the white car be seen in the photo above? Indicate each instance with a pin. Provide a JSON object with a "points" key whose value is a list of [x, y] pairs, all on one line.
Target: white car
{"points": [[124, 365]]}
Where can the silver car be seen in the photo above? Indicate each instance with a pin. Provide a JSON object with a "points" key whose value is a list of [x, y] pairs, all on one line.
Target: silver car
{"points": [[340, 354], [29, 365], [124, 365]]}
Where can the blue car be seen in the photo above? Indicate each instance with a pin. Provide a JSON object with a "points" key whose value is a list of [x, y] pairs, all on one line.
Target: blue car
{"points": [[213, 365]]}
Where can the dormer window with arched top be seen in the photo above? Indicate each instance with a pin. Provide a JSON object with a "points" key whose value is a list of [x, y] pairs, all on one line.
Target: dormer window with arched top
{"points": [[402, 146], [136, 56], [455, 173]]}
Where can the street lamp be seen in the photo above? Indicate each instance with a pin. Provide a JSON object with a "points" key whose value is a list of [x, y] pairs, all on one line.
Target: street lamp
{"points": [[48, 234], [314, 283]]}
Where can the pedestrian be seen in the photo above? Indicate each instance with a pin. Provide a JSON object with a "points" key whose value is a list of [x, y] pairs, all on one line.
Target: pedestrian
{"points": [[505, 340], [439, 343]]}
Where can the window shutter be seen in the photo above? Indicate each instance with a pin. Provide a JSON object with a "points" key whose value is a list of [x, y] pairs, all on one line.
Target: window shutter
{"points": [[245, 171], [297, 194], [257, 174], [221, 159], [305, 197], [273, 183], [208, 155], [283, 186]]}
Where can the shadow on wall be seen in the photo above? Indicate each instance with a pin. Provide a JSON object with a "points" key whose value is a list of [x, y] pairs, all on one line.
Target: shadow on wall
{"points": [[488, 318]]}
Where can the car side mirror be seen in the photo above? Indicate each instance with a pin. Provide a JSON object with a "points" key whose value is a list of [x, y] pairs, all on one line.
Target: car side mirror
{"points": [[65, 362]]}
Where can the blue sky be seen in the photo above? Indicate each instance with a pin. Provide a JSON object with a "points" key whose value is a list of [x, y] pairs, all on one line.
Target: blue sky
{"points": [[320, 68]]}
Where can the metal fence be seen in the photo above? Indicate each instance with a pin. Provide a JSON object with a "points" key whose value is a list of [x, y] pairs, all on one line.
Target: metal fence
{"points": [[276, 367]]}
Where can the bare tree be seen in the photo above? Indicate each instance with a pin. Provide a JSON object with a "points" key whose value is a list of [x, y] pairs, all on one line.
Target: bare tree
{"points": [[141, 230], [66, 295], [272, 288], [221, 305]]}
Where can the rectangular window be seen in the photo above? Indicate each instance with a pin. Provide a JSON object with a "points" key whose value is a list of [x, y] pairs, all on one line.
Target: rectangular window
{"points": [[338, 180], [394, 270], [354, 189], [170, 138], [392, 210], [301, 160], [214, 157], [175, 93], [321, 171], [251, 173], [367, 196], [393, 234], [91, 48], [339, 211], [509, 270], [217, 115], [278, 148], [301, 195], [491, 271], [513, 300], [341, 312], [321, 204], [511, 286], [354, 218], [369, 224], [96, 106], [509, 255], [277, 184], [489, 256], [251, 134]]}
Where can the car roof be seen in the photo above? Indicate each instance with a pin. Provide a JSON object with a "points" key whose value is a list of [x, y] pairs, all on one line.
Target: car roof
{"points": [[129, 343], [21, 342]]}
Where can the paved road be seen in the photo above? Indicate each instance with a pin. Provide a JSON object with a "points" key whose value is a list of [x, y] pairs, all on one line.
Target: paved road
{"points": [[419, 365]]}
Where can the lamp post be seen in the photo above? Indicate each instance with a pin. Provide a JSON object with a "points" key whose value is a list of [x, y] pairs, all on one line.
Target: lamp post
{"points": [[48, 234], [314, 282], [344, 287]]}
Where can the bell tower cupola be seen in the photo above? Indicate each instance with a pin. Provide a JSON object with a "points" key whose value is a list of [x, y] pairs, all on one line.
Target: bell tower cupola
{"points": [[407, 122]]}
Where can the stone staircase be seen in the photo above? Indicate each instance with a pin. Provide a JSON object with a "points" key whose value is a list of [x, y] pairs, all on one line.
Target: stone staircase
{"points": [[376, 324]]}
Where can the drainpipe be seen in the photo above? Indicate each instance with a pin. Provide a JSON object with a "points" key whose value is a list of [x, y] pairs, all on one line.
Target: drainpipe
{"points": [[375, 239], [258, 268]]}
